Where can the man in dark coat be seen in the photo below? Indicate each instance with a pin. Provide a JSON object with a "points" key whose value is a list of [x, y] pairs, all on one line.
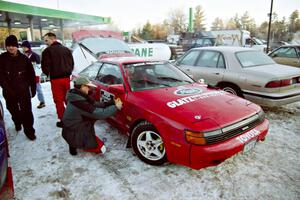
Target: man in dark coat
{"points": [[58, 64], [17, 79], [80, 115]]}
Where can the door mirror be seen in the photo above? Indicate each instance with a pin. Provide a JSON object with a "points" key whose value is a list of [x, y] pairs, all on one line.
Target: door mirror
{"points": [[117, 89], [201, 81]]}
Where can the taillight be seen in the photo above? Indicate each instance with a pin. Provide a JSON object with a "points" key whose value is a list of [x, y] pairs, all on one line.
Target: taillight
{"points": [[280, 83]]}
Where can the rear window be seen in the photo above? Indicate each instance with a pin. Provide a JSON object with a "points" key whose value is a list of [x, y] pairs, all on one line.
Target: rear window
{"points": [[253, 58]]}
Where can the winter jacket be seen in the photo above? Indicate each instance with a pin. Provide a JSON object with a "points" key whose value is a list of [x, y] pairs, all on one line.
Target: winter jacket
{"points": [[34, 57], [79, 118], [57, 61], [17, 75]]}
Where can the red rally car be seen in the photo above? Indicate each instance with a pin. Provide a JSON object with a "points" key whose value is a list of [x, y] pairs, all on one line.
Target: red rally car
{"points": [[170, 117]]}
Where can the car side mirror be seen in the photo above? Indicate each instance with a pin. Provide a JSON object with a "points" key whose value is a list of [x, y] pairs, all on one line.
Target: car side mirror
{"points": [[117, 89], [201, 81]]}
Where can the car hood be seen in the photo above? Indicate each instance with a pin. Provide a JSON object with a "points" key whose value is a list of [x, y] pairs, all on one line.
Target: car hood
{"points": [[275, 70], [195, 103]]}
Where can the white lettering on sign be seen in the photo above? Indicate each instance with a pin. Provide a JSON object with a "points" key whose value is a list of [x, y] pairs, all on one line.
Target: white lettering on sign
{"points": [[185, 100], [248, 136]]}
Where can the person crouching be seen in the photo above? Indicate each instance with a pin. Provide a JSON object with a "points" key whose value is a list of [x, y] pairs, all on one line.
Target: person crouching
{"points": [[80, 116]]}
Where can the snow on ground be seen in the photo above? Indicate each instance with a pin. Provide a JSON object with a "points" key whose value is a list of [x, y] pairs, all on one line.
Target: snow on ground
{"points": [[43, 169]]}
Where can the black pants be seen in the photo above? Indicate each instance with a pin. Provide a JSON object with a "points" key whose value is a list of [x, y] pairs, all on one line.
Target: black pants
{"points": [[19, 106]]}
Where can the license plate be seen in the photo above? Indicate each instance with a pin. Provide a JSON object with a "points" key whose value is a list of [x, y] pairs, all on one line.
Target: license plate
{"points": [[250, 145]]}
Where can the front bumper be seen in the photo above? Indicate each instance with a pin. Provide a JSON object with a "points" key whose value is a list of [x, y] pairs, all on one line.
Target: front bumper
{"points": [[211, 155]]}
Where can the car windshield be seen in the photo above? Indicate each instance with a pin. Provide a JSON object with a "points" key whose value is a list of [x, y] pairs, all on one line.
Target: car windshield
{"points": [[253, 58], [153, 75]]}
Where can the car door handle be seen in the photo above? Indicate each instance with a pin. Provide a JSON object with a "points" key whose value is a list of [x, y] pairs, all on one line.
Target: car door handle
{"points": [[188, 69], [217, 73]]}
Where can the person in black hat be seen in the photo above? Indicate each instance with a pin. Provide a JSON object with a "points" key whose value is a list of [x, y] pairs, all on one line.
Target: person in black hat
{"points": [[17, 79], [35, 60]]}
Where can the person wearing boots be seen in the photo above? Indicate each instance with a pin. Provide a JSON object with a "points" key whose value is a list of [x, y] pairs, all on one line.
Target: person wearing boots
{"points": [[35, 60], [17, 79], [58, 64], [80, 116]]}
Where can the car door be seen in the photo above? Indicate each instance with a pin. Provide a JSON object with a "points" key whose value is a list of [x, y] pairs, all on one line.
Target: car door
{"points": [[286, 56], [110, 74], [187, 62], [211, 65]]}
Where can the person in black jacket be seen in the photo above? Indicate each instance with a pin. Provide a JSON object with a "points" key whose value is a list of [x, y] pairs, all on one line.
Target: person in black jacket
{"points": [[35, 60], [17, 79], [58, 64]]}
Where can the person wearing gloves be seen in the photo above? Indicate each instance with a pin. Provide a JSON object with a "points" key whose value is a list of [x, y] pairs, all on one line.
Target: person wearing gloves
{"points": [[80, 116], [35, 60], [17, 79]]}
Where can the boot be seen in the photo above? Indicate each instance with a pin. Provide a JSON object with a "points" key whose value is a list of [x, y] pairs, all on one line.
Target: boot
{"points": [[72, 151], [41, 105], [59, 124]]}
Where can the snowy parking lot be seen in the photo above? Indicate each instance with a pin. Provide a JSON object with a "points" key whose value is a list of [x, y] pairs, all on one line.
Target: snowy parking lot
{"points": [[44, 169]]}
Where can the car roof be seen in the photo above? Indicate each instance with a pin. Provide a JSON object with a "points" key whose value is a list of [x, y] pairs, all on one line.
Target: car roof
{"points": [[226, 48], [125, 60]]}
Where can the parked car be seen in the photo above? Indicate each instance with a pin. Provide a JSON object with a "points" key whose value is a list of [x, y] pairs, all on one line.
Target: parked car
{"points": [[244, 72], [170, 117], [287, 55], [6, 184]]}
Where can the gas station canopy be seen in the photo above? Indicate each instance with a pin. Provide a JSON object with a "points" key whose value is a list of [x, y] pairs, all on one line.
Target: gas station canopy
{"points": [[15, 15]]}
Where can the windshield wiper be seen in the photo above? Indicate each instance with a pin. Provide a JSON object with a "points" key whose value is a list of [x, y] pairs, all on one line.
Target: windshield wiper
{"points": [[150, 82], [172, 79]]}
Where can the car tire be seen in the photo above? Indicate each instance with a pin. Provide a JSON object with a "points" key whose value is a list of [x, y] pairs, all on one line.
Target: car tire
{"points": [[232, 89], [148, 144]]}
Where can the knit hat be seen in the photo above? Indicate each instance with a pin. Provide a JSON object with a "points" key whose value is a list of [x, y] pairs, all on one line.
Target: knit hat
{"points": [[83, 81], [11, 41], [26, 44]]}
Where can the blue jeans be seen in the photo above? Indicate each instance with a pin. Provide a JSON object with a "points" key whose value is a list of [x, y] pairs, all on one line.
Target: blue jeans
{"points": [[39, 92]]}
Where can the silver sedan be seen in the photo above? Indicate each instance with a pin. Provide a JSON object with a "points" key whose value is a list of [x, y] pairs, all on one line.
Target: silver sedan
{"points": [[244, 72]]}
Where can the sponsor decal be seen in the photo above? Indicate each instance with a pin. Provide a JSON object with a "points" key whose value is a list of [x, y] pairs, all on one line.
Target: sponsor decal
{"points": [[189, 99], [186, 91], [248, 136], [106, 96]]}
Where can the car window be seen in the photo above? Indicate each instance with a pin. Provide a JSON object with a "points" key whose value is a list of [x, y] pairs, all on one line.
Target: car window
{"points": [[109, 74], [153, 75], [190, 58], [207, 42], [286, 52], [210, 59], [91, 71], [253, 58]]}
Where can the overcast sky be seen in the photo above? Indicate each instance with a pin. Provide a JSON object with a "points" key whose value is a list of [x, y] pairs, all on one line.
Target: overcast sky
{"points": [[129, 14]]}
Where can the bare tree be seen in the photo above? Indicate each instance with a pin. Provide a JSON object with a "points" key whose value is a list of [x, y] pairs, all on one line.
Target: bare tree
{"points": [[177, 20], [199, 19], [217, 24]]}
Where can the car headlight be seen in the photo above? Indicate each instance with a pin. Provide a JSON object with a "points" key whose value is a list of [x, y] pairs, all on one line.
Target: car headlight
{"points": [[199, 138]]}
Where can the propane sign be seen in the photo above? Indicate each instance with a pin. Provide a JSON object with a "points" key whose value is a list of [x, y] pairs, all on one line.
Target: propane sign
{"points": [[153, 51]]}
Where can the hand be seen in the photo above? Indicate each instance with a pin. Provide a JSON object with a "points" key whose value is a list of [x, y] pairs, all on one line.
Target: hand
{"points": [[118, 103]]}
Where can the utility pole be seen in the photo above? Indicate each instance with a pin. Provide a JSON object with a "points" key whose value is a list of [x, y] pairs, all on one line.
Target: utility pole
{"points": [[269, 29]]}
